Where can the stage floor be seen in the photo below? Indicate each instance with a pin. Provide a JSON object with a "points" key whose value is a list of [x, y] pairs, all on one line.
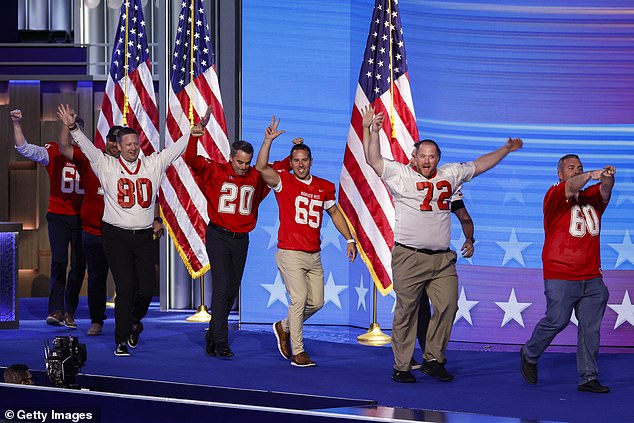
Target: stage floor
{"points": [[487, 378]]}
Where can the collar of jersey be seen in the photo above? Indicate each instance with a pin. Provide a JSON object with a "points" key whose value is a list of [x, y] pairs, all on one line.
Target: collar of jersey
{"points": [[432, 176], [305, 181], [127, 169]]}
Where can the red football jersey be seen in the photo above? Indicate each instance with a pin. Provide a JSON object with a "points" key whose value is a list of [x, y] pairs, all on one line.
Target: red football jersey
{"points": [[66, 189], [572, 249], [232, 200], [92, 207], [301, 207]]}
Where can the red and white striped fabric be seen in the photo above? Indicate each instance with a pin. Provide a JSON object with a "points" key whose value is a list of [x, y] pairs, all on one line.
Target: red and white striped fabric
{"points": [[183, 204], [137, 85], [363, 198]]}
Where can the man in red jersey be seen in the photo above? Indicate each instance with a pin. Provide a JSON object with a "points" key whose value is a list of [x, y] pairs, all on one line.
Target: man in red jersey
{"points": [[234, 192], [302, 199], [91, 236], [572, 268], [64, 225]]}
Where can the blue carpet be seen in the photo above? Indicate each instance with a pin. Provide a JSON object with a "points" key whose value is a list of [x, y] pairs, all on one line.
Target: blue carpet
{"points": [[486, 382]]}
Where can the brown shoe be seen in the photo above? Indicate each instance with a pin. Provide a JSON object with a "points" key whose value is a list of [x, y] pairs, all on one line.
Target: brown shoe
{"points": [[94, 329], [56, 318], [283, 344], [69, 321], [302, 360]]}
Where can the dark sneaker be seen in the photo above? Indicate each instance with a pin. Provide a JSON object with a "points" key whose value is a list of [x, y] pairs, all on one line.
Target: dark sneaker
{"points": [[414, 365], [122, 350], [283, 344], [302, 360], [593, 386], [435, 369], [223, 350], [529, 370], [69, 321], [94, 329], [133, 338], [210, 348], [403, 376], [56, 318]]}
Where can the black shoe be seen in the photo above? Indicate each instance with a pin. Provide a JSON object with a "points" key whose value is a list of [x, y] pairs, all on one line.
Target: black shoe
{"points": [[403, 376], [223, 350], [133, 339], [210, 347], [593, 386], [122, 350], [435, 369], [414, 365], [529, 370]]}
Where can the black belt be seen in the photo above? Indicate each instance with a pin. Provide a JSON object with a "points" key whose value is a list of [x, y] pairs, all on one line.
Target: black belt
{"points": [[132, 231], [422, 250], [228, 232]]}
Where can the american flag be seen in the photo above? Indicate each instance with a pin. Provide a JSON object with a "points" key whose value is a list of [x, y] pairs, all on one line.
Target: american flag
{"points": [[383, 83], [182, 203], [130, 80]]}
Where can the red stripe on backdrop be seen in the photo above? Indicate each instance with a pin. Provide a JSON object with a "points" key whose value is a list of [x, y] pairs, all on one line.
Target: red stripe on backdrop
{"points": [[182, 240]]}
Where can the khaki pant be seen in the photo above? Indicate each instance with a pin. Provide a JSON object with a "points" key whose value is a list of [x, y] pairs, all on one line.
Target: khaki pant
{"points": [[303, 276], [413, 272]]}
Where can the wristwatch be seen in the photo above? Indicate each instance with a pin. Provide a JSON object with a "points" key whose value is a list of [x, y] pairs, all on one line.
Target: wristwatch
{"points": [[158, 219]]}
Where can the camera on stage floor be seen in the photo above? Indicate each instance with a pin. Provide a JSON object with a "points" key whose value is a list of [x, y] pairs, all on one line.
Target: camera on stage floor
{"points": [[64, 360]]}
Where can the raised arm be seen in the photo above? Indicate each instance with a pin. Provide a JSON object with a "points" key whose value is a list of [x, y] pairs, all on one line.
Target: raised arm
{"points": [[371, 148], [270, 176], [489, 160], [342, 227], [33, 152], [607, 182], [175, 150], [605, 175], [67, 116]]}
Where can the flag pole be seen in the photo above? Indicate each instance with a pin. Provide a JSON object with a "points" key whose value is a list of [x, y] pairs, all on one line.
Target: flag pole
{"points": [[125, 68], [374, 337], [389, 8], [201, 315]]}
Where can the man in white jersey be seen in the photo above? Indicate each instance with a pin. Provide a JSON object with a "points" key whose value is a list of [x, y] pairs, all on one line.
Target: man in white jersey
{"points": [[130, 184], [421, 258]]}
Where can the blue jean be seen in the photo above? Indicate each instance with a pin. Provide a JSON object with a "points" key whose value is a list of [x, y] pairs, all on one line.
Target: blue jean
{"points": [[588, 298], [97, 276]]}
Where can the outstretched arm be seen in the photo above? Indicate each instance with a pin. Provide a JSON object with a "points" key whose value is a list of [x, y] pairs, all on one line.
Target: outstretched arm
{"points": [[67, 116], [342, 227], [607, 182], [175, 150], [270, 176], [605, 175], [489, 160], [371, 148], [33, 152]]}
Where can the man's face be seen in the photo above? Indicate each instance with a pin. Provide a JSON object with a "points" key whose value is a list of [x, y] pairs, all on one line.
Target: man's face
{"points": [[426, 159], [240, 162], [129, 147], [112, 148], [570, 167], [301, 163]]}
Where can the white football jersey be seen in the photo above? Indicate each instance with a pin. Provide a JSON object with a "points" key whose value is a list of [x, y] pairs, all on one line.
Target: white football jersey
{"points": [[423, 206], [130, 189]]}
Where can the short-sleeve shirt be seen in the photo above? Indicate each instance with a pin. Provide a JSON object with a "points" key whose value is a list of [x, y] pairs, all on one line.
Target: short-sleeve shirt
{"points": [[66, 188], [92, 207], [422, 206], [572, 247], [301, 206]]}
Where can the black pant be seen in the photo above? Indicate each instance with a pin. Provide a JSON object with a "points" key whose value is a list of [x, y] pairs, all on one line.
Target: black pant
{"points": [[227, 256], [424, 314], [64, 292], [131, 258], [97, 276]]}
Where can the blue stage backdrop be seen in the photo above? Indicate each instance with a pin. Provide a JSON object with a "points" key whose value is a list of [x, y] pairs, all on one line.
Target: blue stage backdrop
{"points": [[559, 75]]}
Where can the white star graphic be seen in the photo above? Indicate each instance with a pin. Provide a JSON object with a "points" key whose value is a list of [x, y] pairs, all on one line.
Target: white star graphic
{"points": [[330, 235], [513, 249], [277, 291], [272, 231], [332, 291], [625, 190], [513, 190], [512, 309], [362, 291], [625, 311], [457, 245], [464, 306], [625, 250]]}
